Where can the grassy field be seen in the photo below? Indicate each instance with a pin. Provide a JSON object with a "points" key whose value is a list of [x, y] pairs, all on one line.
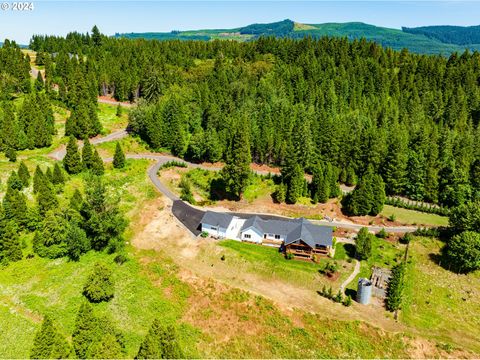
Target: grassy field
{"points": [[406, 216], [446, 303], [271, 264], [107, 114]]}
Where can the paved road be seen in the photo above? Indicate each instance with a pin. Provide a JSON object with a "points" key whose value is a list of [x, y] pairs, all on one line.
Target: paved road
{"points": [[161, 159]]}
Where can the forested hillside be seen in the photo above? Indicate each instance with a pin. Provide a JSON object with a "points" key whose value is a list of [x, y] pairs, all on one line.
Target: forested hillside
{"points": [[353, 105], [427, 40], [461, 35]]}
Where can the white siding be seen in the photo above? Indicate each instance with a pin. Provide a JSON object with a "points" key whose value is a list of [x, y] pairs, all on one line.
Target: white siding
{"points": [[214, 231], [233, 231], [252, 235]]}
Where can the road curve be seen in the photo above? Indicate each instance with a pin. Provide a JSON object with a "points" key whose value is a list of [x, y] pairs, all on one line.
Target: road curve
{"points": [[161, 159]]}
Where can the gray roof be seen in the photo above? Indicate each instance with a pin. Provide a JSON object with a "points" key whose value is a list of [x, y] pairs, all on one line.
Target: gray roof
{"points": [[294, 230], [310, 234], [216, 219]]}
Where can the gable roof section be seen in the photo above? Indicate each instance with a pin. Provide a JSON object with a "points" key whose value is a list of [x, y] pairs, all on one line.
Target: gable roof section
{"points": [[294, 230], [217, 219], [310, 234]]}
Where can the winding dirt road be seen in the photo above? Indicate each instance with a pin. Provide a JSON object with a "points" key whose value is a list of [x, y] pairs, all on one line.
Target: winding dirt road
{"points": [[161, 159]]}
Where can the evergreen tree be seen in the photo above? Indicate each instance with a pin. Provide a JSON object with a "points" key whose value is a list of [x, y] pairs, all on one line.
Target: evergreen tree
{"points": [[76, 201], [38, 179], [363, 244], [295, 185], [49, 175], [24, 174], [15, 206], [119, 111], [46, 199], [97, 164], [77, 241], [160, 343], [87, 154], [320, 188], [72, 161], [57, 177], [118, 157], [49, 343], [99, 285], [10, 249], [396, 288], [39, 84], [11, 154], [236, 172], [50, 240], [463, 251], [14, 181]]}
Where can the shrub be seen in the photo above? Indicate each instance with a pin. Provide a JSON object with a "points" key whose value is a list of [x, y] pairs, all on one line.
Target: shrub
{"points": [[173, 163], [392, 217], [204, 234], [347, 301], [382, 234], [406, 238], [289, 256], [99, 286], [120, 259]]}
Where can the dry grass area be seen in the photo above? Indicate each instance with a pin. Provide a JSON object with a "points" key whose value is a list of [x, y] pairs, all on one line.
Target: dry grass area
{"points": [[242, 311]]}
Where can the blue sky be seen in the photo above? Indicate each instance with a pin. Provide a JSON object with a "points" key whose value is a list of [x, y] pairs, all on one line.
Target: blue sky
{"points": [[60, 17]]}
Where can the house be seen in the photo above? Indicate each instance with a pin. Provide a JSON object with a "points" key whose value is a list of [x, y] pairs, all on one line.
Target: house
{"points": [[298, 237], [221, 226]]}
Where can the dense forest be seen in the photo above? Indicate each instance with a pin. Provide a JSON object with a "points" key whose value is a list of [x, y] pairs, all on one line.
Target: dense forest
{"points": [[352, 104], [461, 35]]}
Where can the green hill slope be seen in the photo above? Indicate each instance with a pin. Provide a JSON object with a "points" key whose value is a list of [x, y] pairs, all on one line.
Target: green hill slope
{"points": [[414, 40], [460, 35]]}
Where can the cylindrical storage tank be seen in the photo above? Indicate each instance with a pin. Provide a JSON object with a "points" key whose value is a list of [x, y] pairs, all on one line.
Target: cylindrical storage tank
{"points": [[364, 291]]}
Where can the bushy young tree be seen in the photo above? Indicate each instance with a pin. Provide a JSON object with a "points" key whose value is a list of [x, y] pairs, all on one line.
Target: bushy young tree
{"points": [[161, 342], [463, 251], [46, 198], [50, 239], [465, 217], [363, 244], [72, 161], [15, 206], [77, 241], [24, 174], [38, 179], [11, 154], [49, 343], [118, 157], [99, 285]]}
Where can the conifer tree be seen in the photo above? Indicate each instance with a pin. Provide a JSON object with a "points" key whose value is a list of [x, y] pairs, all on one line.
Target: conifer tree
{"points": [[296, 185], [99, 285], [85, 332], [49, 175], [363, 244], [10, 249], [396, 287], [49, 343], [39, 84], [24, 174], [118, 157], [119, 111], [72, 161], [236, 173], [76, 200], [57, 177], [46, 198], [161, 342], [77, 241], [14, 181], [15, 206], [87, 154], [97, 164], [38, 179], [11, 154]]}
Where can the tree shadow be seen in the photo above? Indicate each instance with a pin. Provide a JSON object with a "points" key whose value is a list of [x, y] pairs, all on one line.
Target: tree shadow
{"points": [[352, 293], [349, 250]]}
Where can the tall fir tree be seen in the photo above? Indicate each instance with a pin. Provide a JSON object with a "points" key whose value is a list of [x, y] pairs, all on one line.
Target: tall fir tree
{"points": [[118, 157], [161, 342], [87, 154], [72, 161], [97, 164], [10, 248]]}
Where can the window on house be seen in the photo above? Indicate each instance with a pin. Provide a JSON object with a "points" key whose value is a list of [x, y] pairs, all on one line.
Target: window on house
{"points": [[247, 236], [277, 237], [264, 236], [213, 228]]}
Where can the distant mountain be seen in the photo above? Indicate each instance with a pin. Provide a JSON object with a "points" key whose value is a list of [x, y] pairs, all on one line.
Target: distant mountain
{"points": [[460, 35], [424, 40]]}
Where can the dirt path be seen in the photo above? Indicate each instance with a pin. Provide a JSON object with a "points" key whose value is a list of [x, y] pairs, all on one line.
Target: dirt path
{"points": [[353, 275]]}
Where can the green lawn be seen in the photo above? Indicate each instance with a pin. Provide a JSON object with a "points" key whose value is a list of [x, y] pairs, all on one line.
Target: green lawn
{"points": [[412, 217], [271, 264], [107, 114], [440, 301], [257, 188]]}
